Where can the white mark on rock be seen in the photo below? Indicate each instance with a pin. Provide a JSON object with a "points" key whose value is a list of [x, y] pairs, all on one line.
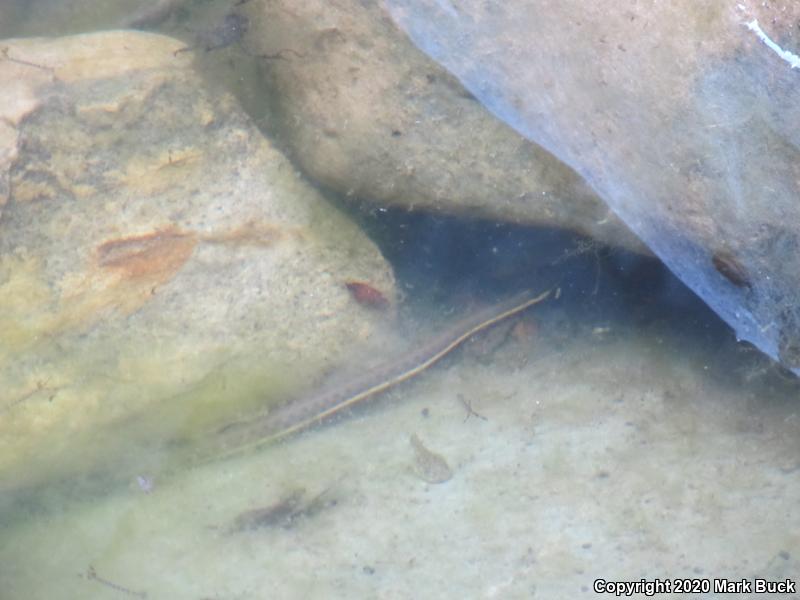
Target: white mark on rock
{"points": [[145, 483], [789, 57]]}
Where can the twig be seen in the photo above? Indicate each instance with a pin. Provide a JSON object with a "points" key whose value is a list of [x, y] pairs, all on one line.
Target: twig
{"points": [[4, 51], [280, 54], [40, 387], [92, 575], [470, 410]]}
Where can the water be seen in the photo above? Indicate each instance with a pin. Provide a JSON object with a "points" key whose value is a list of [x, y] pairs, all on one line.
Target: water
{"points": [[165, 272]]}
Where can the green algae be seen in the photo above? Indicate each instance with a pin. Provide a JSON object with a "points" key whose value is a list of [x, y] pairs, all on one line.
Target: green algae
{"points": [[111, 424]]}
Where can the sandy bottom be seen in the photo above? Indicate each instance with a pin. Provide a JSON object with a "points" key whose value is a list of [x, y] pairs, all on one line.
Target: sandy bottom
{"points": [[600, 454]]}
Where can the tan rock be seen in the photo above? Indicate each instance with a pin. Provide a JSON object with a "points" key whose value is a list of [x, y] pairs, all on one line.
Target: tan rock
{"points": [[162, 267], [367, 114]]}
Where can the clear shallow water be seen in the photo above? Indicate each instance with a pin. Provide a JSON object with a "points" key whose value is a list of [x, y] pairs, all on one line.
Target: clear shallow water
{"points": [[618, 407]]}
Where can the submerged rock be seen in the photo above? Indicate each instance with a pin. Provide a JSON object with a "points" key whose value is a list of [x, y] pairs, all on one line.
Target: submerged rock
{"points": [[162, 266], [367, 114]]}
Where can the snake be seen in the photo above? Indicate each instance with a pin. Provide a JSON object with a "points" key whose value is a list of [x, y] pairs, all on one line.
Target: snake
{"points": [[305, 411]]}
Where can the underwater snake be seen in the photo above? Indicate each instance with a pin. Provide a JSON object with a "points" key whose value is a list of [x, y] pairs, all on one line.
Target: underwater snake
{"points": [[299, 414]]}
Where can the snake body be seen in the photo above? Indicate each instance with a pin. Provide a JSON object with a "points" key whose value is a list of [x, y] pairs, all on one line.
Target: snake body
{"points": [[299, 414]]}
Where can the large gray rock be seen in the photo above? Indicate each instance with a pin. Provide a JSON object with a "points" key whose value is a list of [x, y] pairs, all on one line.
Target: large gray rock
{"points": [[684, 116], [162, 267]]}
